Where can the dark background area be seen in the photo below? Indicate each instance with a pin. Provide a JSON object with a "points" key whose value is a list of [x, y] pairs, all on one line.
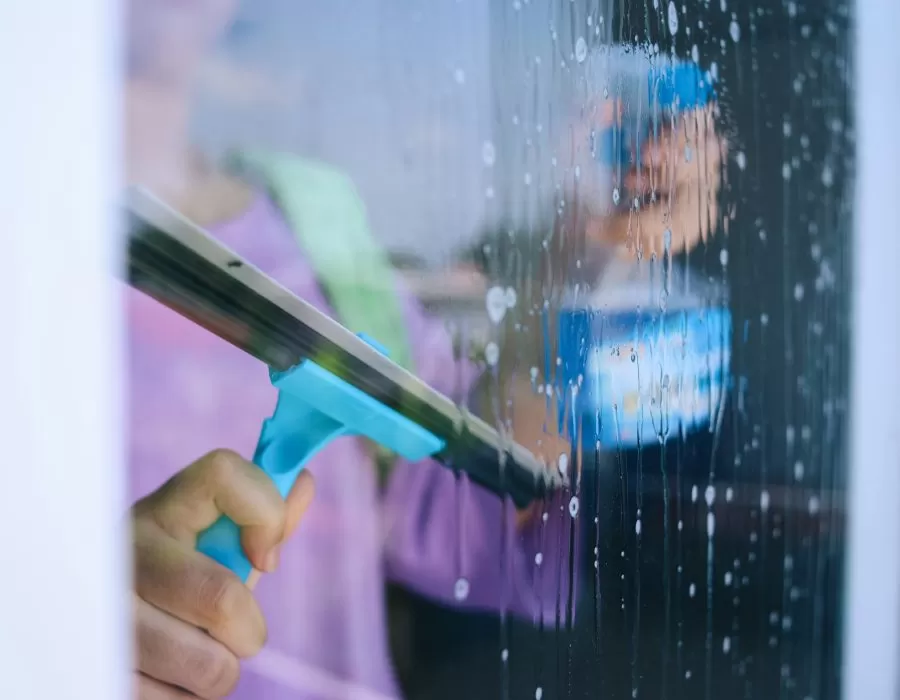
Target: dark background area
{"points": [[782, 610]]}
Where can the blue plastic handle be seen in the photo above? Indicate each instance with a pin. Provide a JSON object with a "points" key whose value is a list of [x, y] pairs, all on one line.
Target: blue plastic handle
{"points": [[314, 407]]}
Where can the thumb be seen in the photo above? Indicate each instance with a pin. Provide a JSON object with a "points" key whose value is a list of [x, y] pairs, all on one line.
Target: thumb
{"points": [[221, 483], [298, 501], [295, 505]]}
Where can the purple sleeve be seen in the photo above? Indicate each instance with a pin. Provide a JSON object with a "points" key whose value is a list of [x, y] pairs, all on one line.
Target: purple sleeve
{"points": [[455, 542]]}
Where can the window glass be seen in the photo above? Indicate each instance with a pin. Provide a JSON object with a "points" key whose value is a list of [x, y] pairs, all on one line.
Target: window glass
{"points": [[619, 233]]}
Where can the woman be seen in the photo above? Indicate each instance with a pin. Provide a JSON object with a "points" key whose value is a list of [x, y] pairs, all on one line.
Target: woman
{"points": [[192, 393]]}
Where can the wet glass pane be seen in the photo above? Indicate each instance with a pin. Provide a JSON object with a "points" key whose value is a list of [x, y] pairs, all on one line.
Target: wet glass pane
{"points": [[618, 232]]}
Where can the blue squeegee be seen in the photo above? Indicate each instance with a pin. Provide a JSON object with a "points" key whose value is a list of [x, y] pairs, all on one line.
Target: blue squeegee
{"points": [[330, 381]]}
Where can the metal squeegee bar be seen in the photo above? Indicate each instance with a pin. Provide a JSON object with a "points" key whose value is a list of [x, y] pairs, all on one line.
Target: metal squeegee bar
{"points": [[182, 267]]}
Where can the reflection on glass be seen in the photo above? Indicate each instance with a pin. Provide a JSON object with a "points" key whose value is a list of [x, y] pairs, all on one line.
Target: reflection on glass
{"points": [[617, 231]]}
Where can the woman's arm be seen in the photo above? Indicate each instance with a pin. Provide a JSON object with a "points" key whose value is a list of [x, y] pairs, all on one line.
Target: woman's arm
{"points": [[453, 541]]}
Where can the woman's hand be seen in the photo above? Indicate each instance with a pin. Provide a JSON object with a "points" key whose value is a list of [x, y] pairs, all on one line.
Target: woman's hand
{"points": [[194, 618], [534, 428]]}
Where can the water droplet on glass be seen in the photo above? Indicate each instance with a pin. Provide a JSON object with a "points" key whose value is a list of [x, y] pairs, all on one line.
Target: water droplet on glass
{"points": [[827, 176], [573, 506], [764, 319], [710, 495], [637, 527], [511, 297], [563, 463], [726, 645], [695, 54], [580, 49], [461, 589], [538, 693], [735, 30], [813, 505], [504, 655], [728, 578], [786, 171], [786, 622], [495, 301], [459, 75], [667, 240], [539, 558], [687, 675], [616, 195], [786, 128], [710, 524], [798, 291], [729, 494], [680, 525], [527, 179], [488, 153], [673, 18], [798, 470], [489, 193], [694, 493], [764, 501], [692, 590], [723, 257], [491, 354], [792, 9], [741, 160]]}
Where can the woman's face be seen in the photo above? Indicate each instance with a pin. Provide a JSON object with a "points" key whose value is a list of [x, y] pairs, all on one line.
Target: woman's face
{"points": [[167, 39]]}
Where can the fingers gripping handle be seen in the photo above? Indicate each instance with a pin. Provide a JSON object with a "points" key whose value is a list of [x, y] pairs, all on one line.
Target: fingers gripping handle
{"points": [[314, 407], [294, 433]]}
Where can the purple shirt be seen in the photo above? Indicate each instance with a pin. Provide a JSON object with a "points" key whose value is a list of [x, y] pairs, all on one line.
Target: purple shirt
{"points": [[191, 392]]}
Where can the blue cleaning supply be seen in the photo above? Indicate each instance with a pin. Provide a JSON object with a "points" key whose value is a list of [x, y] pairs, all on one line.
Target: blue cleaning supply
{"points": [[645, 356], [315, 407]]}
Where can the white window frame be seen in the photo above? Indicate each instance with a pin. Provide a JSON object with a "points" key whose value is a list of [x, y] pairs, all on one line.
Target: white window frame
{"points": [[872, 574], [64, 598]]}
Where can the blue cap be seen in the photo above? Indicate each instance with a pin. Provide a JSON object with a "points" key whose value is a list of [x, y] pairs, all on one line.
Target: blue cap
{"points": [[680, 86]]}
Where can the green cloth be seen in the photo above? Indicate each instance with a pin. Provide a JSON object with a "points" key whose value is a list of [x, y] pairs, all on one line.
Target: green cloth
{"points": [[328, 218]]}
